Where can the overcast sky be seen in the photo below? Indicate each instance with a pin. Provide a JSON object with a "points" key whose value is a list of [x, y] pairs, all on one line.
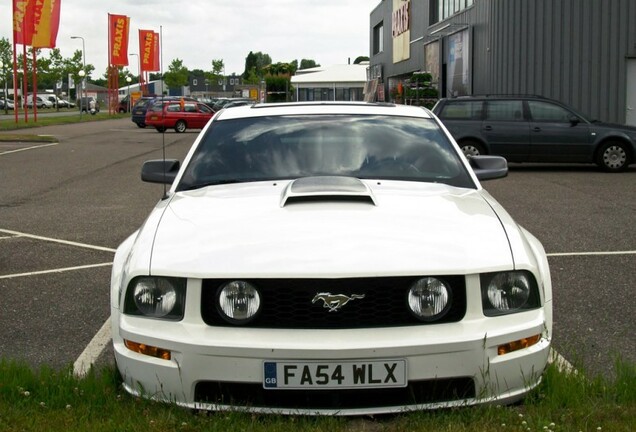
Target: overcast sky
{"points": [[198, 31]]}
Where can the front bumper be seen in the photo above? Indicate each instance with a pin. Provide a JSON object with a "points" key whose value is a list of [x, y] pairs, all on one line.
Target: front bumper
{"points": [[447, 365]]}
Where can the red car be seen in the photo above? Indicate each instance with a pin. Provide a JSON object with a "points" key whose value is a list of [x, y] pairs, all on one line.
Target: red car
{"points": [[178, 114]]}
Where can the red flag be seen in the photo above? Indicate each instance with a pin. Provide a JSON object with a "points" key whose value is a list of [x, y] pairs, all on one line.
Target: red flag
{"points": [[118, 39], [47, 23], [156, 65], [23, 21], [147, 50]]}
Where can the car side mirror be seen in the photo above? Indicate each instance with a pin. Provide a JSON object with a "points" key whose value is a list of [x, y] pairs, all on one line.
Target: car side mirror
{"points": [[489, 167], [160, 171], [574, 120]]}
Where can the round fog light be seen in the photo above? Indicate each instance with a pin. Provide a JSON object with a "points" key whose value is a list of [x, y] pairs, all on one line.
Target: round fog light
{"points": [[429, 299], [238, 302]]}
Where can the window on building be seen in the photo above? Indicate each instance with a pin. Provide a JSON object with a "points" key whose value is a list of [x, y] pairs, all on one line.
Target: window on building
{"points": [[378, 39], [442, 9], [194, 81]]}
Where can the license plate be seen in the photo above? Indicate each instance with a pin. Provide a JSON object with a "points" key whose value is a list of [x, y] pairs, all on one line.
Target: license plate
{"points": [[346, 375], [154, 118]]}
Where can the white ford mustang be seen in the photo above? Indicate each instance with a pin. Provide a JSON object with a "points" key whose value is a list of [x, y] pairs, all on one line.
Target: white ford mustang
{"points": [[329, 258]]}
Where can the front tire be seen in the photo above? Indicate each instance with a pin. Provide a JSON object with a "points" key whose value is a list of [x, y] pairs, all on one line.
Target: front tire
{"points": [[472, 148], [160, 129], [141, 125], [613, 156], [180, 126]]}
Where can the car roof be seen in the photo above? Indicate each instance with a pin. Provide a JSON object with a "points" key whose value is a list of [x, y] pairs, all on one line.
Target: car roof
{"points": [[498, 96], [300, 108]]}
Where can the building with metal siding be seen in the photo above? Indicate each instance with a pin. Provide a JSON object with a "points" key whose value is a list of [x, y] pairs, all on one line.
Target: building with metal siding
{"points": [[582, 52]]}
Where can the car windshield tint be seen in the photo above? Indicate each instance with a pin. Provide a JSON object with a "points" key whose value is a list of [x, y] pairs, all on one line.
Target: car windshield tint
{"points": [[547, 112], [365, 146], [464, 110]]}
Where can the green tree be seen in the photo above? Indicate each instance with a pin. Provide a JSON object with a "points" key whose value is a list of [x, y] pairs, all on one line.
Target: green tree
{"points": [[308, 64], [74, 64], [122, 74], [56, 70], [177, 75], [254, 64], [6, 58], [360, 59], [218, 69]]}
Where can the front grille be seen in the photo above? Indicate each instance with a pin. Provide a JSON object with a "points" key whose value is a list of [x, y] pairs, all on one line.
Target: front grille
{"points": [[255, 396], [287, 303]]}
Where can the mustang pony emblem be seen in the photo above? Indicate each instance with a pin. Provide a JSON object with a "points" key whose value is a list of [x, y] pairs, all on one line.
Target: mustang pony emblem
{"points": [[333, 302]]}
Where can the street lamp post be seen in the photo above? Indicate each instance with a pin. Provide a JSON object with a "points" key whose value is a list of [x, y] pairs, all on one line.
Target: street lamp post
{"points": [[82, 73], [128, 80], [138, 67]]}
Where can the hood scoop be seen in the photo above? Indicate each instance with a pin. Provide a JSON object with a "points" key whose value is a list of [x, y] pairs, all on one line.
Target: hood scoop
{"points": [[326, 189]]}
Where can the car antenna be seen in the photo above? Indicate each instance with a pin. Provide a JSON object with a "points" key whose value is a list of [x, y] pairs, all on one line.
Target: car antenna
{"points": [[163, 120]]}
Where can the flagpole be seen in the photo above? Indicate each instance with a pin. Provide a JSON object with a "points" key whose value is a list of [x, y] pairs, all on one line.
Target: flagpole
{"points": [[15, 81], [25, 86], [35, 86]]}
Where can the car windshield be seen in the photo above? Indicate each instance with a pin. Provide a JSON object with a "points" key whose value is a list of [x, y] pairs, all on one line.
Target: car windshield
{"points": [[289, 147]]}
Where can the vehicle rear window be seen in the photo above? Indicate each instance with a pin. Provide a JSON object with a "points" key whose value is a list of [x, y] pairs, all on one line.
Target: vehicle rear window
{"points": [[462, 110], [288, 147], [156, 107]]}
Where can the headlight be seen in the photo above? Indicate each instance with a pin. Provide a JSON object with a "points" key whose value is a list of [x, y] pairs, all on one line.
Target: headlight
{"points": [[509, 292], [238, 302], [156, 297], [429, 299]]}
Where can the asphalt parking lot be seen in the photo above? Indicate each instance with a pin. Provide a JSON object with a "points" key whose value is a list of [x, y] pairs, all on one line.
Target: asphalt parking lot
{"points": [[64, 208]]}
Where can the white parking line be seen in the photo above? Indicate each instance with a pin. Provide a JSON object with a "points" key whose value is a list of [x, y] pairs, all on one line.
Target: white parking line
{"points": [[27, 148], [562, 254], [60, 270], [66, 242], [93, 350]]}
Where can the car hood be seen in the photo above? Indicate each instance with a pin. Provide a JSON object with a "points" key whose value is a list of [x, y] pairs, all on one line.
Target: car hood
{"points": [[249, 230]]}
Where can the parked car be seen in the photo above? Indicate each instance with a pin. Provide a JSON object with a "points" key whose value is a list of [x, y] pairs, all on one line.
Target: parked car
{"points": [[233, 104], [535, 129], [40, 102], [56, 101], [143, 103], [139, 110], [178, 115], [84, 103], [123, 105], [329, 258], [220, 104], [10, 105]]}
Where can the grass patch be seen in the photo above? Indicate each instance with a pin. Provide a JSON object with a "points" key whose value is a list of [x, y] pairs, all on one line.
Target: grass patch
{"points": [[48, 400], [9, 124]]}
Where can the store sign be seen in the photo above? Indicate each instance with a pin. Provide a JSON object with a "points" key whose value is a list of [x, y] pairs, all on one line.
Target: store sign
{"points": [[401, 28], [401, 18]]}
